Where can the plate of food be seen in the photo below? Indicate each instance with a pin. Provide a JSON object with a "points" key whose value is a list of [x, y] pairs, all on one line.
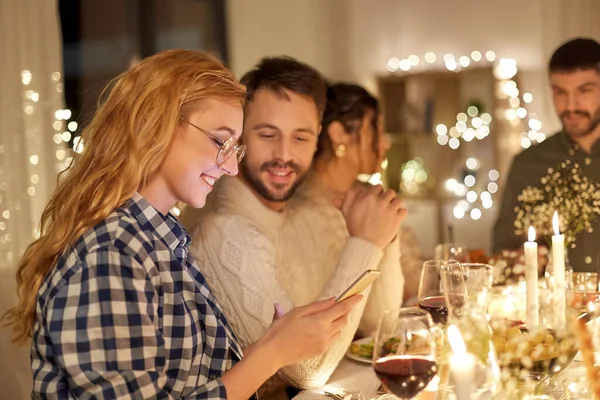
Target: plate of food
{"points": [[361, 350]]}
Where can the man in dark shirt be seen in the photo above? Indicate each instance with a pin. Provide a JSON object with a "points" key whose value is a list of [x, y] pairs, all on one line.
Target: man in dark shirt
{"points": [[575, 79]]}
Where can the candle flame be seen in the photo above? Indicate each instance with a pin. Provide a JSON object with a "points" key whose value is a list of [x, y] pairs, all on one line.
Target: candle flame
{"points": [[456, 341], [556, 224], [531, 234]]}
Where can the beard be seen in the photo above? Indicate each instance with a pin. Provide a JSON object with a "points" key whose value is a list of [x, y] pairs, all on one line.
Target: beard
{"points": [[584, 130], [279, 192]]}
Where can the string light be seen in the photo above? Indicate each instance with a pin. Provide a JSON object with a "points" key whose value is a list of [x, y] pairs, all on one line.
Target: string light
{"points": [[430, 57], [413, 175], [476, 125]]}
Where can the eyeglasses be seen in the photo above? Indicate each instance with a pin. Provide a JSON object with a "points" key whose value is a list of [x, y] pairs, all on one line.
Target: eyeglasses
{"points": [[228, 148]]}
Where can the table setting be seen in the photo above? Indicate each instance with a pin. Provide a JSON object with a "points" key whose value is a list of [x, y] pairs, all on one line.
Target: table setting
{"points": [[476, 335]]}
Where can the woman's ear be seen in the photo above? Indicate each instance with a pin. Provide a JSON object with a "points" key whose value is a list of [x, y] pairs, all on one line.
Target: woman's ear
{"points": [[337, 134]]}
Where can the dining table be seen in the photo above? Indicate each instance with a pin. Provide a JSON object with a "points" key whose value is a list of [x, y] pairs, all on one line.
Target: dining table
{"points": [[356, 380]]}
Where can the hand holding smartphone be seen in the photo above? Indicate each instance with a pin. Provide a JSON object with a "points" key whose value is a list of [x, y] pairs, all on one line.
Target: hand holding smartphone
{"points": [[360, 284]]}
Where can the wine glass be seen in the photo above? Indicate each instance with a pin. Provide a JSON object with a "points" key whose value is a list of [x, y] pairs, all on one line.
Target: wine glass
{"points": [[430, 296], [467, 289], [452, 251], [467, 285], [404, 352]]}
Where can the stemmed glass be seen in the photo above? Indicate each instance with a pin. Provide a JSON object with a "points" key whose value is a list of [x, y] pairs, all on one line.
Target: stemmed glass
{"points": [[431, 293], [404, 352], [452, 251], [467, 288]]}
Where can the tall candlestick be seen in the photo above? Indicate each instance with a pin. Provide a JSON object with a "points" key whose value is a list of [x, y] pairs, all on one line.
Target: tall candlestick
{"points": [[558, 260], [531, 280], [462, 365]]}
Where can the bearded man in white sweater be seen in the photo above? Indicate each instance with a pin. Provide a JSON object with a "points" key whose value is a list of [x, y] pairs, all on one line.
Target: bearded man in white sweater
{"points": [[262, 260]]}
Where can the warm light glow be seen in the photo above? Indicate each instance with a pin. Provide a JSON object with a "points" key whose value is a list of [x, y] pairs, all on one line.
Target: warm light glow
{"points": [[404, 65], [456, 340], [458, 212], [472, 163], [471, 196], [26, 77], [451, 184], [470, 180], [556, 224], [442, 140], [375, 179], [476, 56], [393, 64], [441, 129], [531, 234]]}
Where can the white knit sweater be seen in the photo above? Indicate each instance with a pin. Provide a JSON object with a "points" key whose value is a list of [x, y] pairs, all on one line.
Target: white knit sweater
{"points": [[252, 256]]}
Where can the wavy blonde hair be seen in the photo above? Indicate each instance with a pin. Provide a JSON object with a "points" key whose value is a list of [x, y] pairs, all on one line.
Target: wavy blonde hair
{"points": [[126, 141]]}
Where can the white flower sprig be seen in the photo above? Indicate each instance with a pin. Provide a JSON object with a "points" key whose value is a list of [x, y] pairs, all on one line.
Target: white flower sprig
{"points": [[573, 196]]}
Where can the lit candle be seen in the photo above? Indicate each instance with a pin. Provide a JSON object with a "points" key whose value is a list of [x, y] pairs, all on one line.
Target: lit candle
{"points": [[558, 260], [462, 365], [531, 280]]}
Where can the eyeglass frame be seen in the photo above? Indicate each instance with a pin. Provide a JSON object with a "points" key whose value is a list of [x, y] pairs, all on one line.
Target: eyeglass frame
{"points": [[239, 151]]}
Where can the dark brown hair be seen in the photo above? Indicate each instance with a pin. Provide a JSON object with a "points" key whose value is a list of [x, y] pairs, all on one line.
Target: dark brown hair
{"points": [[285, 73], [348, 104], [576, 55]]}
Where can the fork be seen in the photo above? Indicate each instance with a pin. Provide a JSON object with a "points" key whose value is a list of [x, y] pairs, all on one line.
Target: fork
{"points": [[344, 396]]}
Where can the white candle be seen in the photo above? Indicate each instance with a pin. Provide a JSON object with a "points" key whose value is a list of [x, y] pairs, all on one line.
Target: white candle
{"points": [[462, 366], [531, 281], [558, 260]]}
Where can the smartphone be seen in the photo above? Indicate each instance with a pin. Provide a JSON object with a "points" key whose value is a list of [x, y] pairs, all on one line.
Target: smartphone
{"points": [[360, 284]]}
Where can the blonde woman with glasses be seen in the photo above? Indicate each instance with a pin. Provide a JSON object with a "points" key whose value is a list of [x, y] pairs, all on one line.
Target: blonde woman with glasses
{"points": [[111, 300]]}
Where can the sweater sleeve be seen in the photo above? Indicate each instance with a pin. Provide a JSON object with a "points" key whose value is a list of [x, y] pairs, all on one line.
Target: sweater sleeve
{"points": [[238, 261], [411, 261], [386, 292]]}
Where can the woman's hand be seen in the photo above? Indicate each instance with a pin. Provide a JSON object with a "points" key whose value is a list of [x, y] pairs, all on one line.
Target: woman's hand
{"points": [[306, 331]]}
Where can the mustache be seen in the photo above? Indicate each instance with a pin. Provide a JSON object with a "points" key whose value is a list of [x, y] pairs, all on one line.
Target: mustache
{"points": [[580, 113], [280, 164]]}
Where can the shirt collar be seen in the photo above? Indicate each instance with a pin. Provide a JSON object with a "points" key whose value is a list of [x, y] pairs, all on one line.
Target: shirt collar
{"points": [[571, 147], [165, 227]]}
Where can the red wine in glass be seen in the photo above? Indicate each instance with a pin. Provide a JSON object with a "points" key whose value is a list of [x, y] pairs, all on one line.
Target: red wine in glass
{"points": [[436, 306], [405, 375]]}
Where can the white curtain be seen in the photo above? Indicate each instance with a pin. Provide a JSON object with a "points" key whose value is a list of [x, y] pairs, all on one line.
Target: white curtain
{"points": [[31, 91]]}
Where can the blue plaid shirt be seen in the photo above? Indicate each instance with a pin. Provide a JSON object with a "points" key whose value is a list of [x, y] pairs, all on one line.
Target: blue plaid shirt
{"points": [[126, 313]]}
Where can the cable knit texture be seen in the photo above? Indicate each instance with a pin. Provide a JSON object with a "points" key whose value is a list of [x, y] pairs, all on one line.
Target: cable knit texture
{"points": [[252, 256]]}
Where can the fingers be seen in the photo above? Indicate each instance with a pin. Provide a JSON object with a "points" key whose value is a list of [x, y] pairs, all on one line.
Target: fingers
{"points": [[338, 202], [279, 311], [349, 199], [390, 196], [315, 307], [342, 307], [339, 324]]}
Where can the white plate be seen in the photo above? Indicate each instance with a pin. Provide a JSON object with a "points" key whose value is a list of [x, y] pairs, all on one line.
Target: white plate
{"points": [[355, 357]]}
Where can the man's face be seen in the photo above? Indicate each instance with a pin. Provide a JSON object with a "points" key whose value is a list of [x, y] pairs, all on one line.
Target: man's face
{"points": [[576, 98], [281, 139]]}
